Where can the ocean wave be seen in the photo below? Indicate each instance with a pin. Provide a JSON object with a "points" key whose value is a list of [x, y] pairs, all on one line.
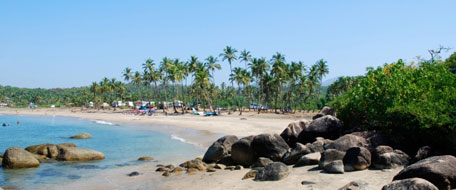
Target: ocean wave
{"points": [[104, 122], [183, 140]]}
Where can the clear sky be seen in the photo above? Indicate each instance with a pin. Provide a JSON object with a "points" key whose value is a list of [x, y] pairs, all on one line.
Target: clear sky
{"points": [[74, 42]]}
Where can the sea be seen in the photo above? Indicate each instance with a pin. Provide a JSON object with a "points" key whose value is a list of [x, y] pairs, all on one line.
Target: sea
{"points": [[122, 145]]}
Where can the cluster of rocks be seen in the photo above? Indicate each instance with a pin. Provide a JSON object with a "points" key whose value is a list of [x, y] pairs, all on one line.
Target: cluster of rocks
{"points": [[321, 142], [32, 156]]}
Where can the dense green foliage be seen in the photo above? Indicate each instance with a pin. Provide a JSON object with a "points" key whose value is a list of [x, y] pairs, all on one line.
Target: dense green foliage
{"points": [[451, 61], [403, 98]]}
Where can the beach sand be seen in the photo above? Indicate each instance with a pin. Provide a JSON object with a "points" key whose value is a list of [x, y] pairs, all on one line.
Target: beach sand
{"points": [[207, 129]]}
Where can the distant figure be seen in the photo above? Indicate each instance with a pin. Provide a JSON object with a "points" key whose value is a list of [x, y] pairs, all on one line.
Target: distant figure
{"points": [[18, 122], [4, 125]]}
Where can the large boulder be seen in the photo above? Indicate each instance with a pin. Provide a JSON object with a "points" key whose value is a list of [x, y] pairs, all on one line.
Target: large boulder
{"points": [[16, 157], [295, 154], [48, 150], [374, 138], [439, 170], [318, 145], [309, 159], [196, 164], [272, 172], [324, 111], [291, 133], [384, 157], [262, 162], [346, 142], [357, 158], [271, 146], [330, 155], [334, 167], [219, 149], [242, 152], [82, 136], [328, 127], [423, 153], [410, 184], [78, 154]]}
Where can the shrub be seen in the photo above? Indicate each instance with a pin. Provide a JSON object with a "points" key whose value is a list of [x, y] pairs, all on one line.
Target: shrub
{"points": [[419, 101]]}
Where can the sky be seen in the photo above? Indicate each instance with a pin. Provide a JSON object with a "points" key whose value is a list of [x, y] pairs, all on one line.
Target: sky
{"points": [[54, 43]]}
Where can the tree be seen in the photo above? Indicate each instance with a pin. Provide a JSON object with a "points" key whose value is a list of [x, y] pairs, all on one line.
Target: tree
{"points": [[127, 74], [322, 70], [245, 57], [137, 80], [229, 54], [279, 68], [259, 67]]}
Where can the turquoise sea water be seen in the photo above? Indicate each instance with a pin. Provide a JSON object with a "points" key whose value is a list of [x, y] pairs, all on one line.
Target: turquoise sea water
{"points": [[122, 145]]}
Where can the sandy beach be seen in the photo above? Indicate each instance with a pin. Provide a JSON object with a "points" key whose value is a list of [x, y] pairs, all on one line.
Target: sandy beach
{"points": [[207, 129]]}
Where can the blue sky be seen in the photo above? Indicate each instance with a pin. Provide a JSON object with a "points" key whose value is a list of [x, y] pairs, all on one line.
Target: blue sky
{"points": [[72, 43]]}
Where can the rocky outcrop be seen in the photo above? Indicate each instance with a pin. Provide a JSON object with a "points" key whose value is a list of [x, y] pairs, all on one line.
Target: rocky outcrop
{"points": [[334, 167], [328, 127], [271, 146], [295, 154], [16, 157], [263, 162], [346, 142], [219, 149], [410, 184], [146, 158], [78, 154], [242, 152], [309, 159], [48, 150], [330, 155], [82, 136], [272, 172], [324, 111], [384, 157], [439, 170], [291, 133], [357, 158], [318, 145], [196, 164]]}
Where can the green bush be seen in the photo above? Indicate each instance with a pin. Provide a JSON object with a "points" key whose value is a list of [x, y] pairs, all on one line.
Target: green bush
{"points": [[419, 101]]}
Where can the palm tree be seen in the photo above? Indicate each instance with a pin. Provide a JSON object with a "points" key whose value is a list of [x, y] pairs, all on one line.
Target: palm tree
{"points": [[245, 57], [212, 64], [127, 74], [137, 79], [164, 65], [278, 71], [240, 76], [322, 70], [259, 68], [201, 83], [94, 88], [229, 54]]}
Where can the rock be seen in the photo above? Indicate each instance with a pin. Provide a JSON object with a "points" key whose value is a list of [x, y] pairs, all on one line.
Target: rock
{"points": [[410, 184], [295, 154], [219, 149], [40, 158], [195, 164], [67, 144], [272, 172], [335, 167], [346, 142], [78, 154], [325, 111], [161, 169], [82, 136], [192, 170], [227, 160], [1, 159], [133, 174], [239, 167], [231, 168], [291, 133], [374, 138], [384, 157], [242, 152], [170, 166], [318, 145], [328, 127], [357, 158], [250, 174], [439, 170], [220, 166], [146, 158], [177, 170], [211, 170], [330, 155], [263, 162], [166, 173], [423, 153], [271, 146], [356, 185], [307, 183], [48, 150], [16, 157], [309, 159]]}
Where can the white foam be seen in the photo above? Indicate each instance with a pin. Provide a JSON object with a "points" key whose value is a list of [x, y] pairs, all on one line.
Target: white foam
{"points": [[104, 122], [183, 140]]}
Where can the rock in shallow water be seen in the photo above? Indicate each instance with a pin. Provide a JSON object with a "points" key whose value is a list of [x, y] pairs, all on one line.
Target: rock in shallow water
{"points": [[273, 172], [16, 157], [78, 154], [133, 174], [82, 136], [145, 158]]}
